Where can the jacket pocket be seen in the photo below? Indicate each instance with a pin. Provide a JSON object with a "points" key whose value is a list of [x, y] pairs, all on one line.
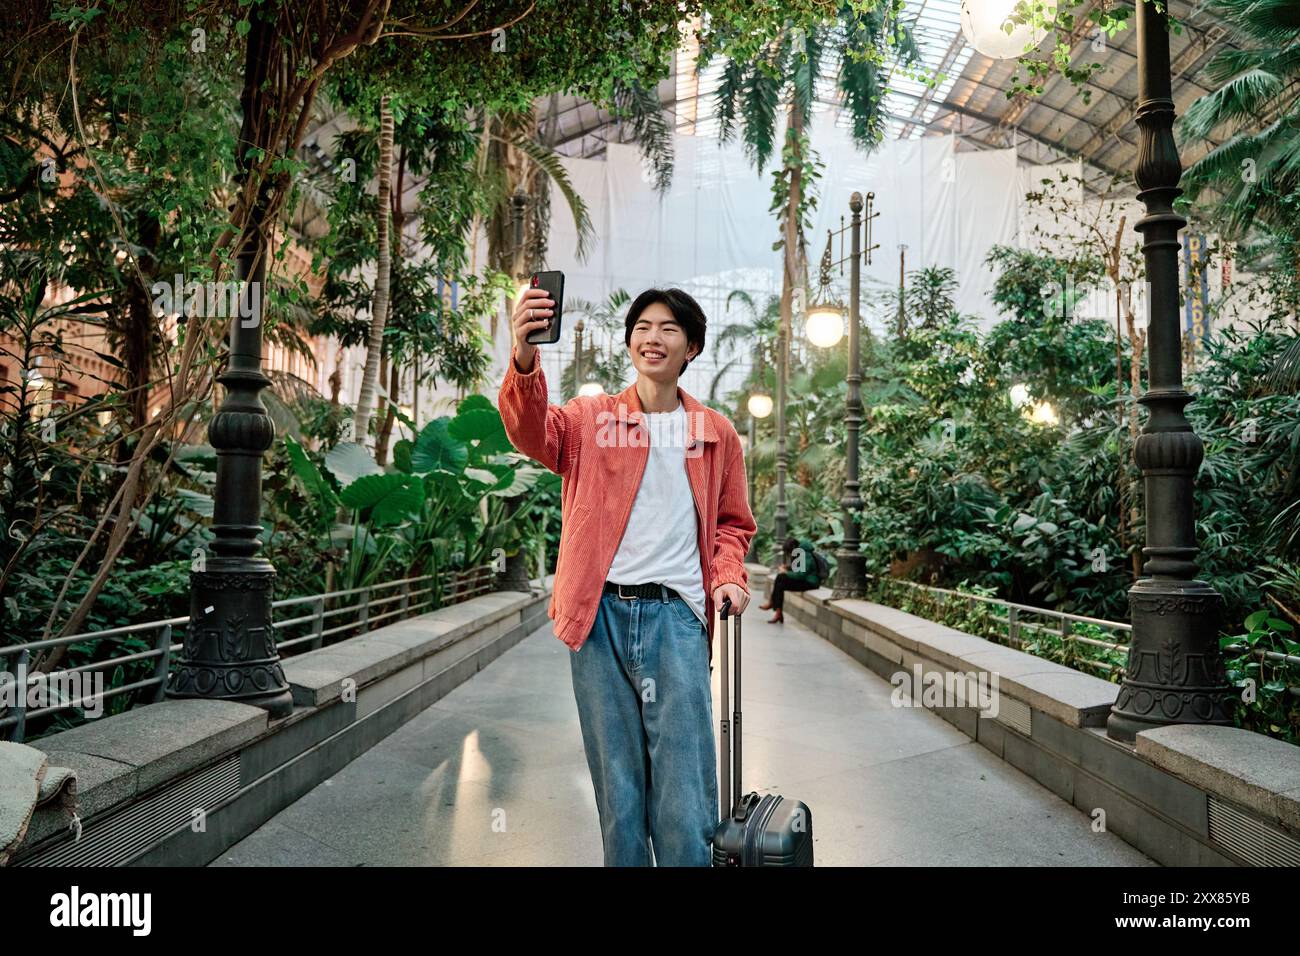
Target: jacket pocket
{"points": [[575, 554], [575, 525]]}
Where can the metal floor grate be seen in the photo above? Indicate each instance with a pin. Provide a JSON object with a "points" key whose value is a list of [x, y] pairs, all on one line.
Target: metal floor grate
{"points": [[1252, 840], [1014, 713], [115, 839]]}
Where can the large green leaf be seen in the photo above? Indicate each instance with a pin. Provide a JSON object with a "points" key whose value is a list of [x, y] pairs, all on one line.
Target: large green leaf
{"points": [[482, 425], [402, 455], [309, 474], [448, 488], [470, 402], [348, 461], [195, 501], [517, 481], [390, 498], [438, 450]]}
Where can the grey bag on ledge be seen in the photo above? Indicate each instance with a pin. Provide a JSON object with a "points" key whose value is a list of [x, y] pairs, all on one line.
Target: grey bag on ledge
{"points": [[29, 783]]}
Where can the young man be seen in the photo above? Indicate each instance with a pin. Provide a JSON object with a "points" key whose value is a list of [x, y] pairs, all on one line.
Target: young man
{"points": [[655, 527]]}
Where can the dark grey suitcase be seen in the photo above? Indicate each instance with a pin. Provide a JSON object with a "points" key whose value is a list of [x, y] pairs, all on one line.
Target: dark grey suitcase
{"points": [[760, 830]]}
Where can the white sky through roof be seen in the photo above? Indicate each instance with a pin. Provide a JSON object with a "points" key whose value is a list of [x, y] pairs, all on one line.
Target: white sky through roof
{"points": [[944, 52], [910, 103]]}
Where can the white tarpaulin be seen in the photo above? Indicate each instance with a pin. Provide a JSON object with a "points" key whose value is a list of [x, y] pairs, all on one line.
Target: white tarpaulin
{"points": [[712, 232]]}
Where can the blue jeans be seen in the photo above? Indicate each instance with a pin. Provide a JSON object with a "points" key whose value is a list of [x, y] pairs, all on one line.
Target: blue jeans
{"points": [[641, 682]]}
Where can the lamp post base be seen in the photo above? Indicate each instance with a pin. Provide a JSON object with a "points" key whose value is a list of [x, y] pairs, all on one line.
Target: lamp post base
{"points": [[230, 651], [514, 577], [1175, 672], [850, 575]]}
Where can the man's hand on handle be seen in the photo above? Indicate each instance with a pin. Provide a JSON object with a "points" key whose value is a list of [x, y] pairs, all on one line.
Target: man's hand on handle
{"points": [[533, 311], [738, 595]]}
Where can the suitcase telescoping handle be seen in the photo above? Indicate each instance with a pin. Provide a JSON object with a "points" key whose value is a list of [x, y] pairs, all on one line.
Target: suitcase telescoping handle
{"points": [[732, 750]]}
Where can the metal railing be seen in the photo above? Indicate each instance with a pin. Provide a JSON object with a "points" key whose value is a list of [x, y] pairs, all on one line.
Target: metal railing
{"points": [[393, 599], [1020, 619], [1010, 623]]}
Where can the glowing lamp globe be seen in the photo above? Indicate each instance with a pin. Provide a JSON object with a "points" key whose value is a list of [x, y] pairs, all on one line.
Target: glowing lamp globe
{"points": [[1045, 414], [760, 406], [591, 388], [988, 28], [825, 326]]}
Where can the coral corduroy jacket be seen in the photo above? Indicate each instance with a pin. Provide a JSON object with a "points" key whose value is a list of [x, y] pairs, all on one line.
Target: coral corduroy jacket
{"points": [[600, 445]]}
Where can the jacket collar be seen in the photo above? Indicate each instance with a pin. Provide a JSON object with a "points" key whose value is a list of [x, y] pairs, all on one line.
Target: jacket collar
{"points": [[699, 424]]}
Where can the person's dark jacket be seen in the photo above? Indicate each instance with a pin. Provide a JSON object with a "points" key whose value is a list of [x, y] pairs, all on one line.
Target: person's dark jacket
{"points": [[809, 573]]}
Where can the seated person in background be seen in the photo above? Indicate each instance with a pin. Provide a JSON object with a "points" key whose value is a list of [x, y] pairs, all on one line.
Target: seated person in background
{"points": [[798, 572]]}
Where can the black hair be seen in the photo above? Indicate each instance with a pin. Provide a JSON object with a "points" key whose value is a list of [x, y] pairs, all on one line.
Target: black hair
{"points": [[686, 312]]}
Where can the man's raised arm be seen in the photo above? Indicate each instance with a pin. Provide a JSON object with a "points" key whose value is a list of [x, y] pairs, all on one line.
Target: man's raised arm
{"points": [[549, 433]]}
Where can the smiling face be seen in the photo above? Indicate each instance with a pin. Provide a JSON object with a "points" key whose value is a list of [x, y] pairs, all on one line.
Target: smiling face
{"points": [[658, 345]]}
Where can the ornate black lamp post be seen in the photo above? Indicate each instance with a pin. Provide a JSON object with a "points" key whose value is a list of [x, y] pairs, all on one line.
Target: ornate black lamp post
{"points": [[851, 571], [230, 650], [752, 554], [759, 406], [1175, 671], [781, 516]]}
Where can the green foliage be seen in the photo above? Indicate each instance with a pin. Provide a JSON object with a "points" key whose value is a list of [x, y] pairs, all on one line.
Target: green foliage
{"points": [[1062, 21], [1254, 170], [423, 323], [1039, 635], [964, 489], [1266, 704], [442, 504], [767, 71], [1248, 186]]}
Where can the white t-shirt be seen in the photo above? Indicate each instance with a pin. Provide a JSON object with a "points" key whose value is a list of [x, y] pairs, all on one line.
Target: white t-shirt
{"points": [[659, 545]]}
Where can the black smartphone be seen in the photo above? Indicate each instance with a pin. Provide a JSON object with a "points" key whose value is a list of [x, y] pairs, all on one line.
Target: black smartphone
{"points": [[553, 283]]}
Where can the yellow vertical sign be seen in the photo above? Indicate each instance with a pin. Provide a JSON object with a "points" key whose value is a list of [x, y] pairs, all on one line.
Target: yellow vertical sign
{"points": [[1196, 269]]}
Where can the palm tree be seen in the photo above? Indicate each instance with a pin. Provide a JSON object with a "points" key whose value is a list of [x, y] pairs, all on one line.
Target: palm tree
{"points": [[753, 90], [610, 370], [517, 152], [1255, 172], [785, 75], [753, 338], [379, 310]]}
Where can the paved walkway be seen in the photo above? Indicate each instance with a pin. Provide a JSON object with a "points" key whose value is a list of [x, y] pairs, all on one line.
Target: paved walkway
{"points": [[494, 775]]}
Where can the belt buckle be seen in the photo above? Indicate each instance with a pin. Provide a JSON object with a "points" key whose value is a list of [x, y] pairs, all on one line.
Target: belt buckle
{"points": [[625, 597]]}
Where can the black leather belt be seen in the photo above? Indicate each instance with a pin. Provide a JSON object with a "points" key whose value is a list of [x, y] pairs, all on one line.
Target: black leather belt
{"points": [[629, 591]]}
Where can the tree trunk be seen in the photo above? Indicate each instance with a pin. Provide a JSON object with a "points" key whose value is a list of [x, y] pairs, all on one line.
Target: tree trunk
{"points": [[391, 370], [1135, 387], [794, 127], [390, 415], [139, 335], [502, 252], [379, 302], [336, 379], [1114, 261]]}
